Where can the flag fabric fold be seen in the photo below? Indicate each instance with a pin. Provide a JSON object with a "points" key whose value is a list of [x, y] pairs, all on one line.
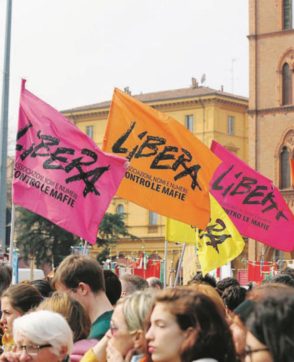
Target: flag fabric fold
{"points": [[59, 172], [220, 242], [255, 205], [170, 169]]}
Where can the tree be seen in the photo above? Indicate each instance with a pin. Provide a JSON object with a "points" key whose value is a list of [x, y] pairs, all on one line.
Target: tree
{"points": [[48, 243], [38, 237], [111, 229]]}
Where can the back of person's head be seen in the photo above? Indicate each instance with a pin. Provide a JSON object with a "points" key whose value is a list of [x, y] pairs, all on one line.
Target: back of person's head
{"points": [[233, 296], [269, 289], [212, 336], [130, 283], [75, 269], [154, 282], [289, 271], [112, 286], [43, 286], [136, 308], [286, 279], [23, 297], [206, 279], [212, 294], [222, 284], [5, 277], [72, 311], [44, 327], [271, 322]]}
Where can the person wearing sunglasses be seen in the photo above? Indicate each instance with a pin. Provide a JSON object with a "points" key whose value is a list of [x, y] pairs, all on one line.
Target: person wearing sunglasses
{"points": [[41, 336], [270, 329]]}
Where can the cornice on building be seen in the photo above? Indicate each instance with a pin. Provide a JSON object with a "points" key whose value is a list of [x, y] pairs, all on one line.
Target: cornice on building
{"points": [[273, 110], [271, 34]]}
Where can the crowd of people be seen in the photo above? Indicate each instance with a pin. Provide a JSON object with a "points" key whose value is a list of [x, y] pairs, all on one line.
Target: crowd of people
{"points": [[88, 314]]}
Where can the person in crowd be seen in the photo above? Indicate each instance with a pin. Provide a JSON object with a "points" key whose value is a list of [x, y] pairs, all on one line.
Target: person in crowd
{"points": [[199, 278], [82, 278], [76, 317], [289, 271], [43, 286], [5, 277], [238, 326], [154, 282], [15, 301], [225, 283], [233, 296], [126, 337], [270, 329], [286, 279], [130, 283], [186, 326], [40, 336], [212, 294], [112, 286]]}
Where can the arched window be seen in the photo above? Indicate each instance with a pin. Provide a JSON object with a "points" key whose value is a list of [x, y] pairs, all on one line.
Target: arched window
{"points": [[284, 168], [286, 84], [153, 218], [120, 209], [288, 14]]}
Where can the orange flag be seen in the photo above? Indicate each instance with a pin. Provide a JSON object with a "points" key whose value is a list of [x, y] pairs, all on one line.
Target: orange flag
{"points": [[169, 170], [292, 170]]}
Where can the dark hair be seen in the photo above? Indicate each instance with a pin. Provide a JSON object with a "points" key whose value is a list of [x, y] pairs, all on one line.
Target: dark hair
{"points": [[284, 279], [75, 269], [271, 322], [23, 297], [43, 286], [112, 286], [5, 277], [154, 282], [289, 271], [233, 296], [134, 282], [196, 310], [199, 278], [221, 285]]}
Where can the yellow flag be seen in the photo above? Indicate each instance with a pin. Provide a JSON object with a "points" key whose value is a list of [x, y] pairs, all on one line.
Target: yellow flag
{"points": [[220, 242], [179, 232]]}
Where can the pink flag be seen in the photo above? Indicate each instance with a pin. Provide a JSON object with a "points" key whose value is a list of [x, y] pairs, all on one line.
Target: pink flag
{"points": [[59, 172], [254, 204]]}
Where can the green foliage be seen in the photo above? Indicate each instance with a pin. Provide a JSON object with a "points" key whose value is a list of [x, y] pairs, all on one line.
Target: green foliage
{"points": [[38, 237], [111, 229]]}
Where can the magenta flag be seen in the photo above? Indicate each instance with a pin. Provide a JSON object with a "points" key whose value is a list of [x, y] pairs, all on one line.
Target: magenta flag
{"points": [[254, 204], [59, 172]]}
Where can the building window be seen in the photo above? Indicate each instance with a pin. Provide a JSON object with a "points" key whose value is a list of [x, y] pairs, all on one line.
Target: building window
{"points": [[90, 131], [153, 218], [284, 168], [189, 122], [120, 209], [286, 84], [231, 125], [288, 14]]}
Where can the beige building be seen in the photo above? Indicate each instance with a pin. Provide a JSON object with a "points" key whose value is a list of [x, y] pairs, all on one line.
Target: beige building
{"points": [[271, 101], [209, 114]]}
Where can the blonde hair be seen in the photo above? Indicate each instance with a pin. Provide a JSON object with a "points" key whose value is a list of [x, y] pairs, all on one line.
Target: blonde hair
{"points": [[72, 311], [136, 308]]}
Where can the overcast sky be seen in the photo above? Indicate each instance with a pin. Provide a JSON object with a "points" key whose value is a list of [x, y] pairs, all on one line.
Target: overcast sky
{"points": [[74, 52]]}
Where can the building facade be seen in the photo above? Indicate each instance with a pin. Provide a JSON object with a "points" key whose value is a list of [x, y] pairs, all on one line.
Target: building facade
{"points": [[271, 101], [209, 114]]}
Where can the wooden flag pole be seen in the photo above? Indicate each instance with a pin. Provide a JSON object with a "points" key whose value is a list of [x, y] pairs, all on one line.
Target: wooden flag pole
{"points": [[165, 263], [180, 264]]}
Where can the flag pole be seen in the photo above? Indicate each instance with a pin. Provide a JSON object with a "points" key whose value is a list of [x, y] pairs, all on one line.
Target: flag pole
{"points": [[85, 247], [4, 127], [180, 264], [165, 263], [11, 244]]}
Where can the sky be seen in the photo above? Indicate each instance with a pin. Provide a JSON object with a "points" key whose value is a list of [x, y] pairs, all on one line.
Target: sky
{"points": [[74, 52]]}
